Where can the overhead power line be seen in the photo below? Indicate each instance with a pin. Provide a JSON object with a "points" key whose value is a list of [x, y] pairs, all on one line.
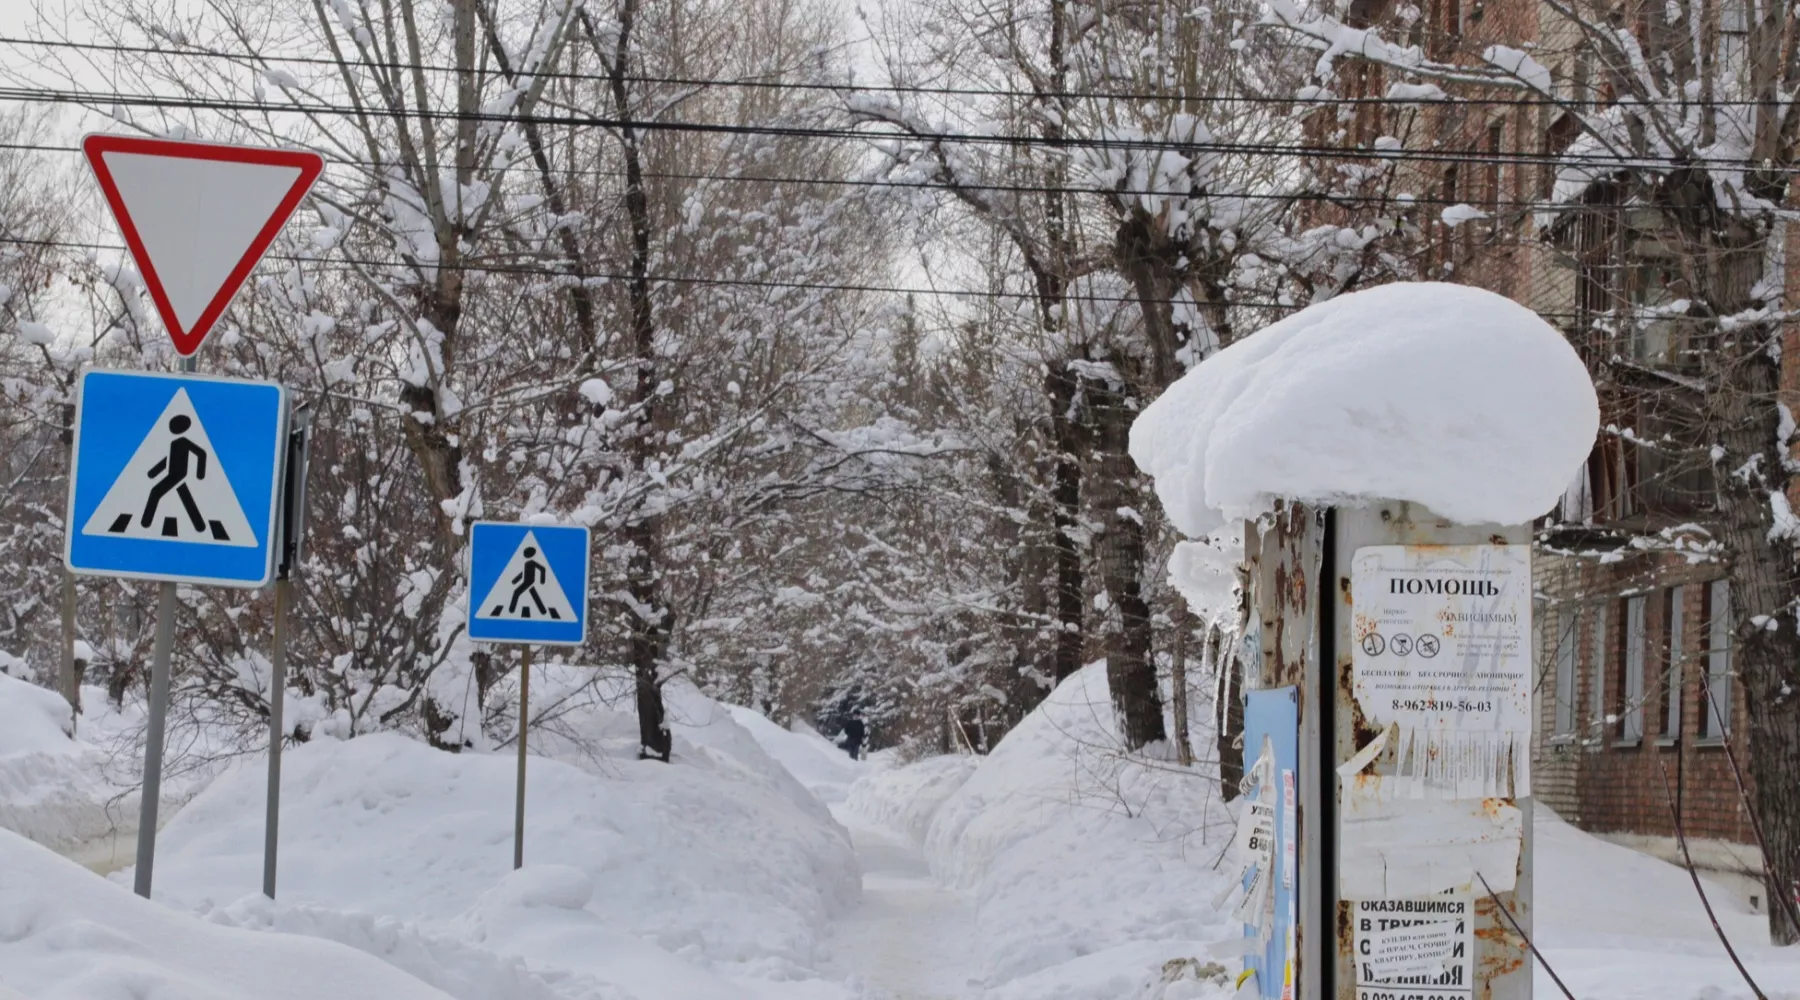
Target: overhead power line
{"points": [[1311, 197], [348, 263], [94, 99], [847, 87]]}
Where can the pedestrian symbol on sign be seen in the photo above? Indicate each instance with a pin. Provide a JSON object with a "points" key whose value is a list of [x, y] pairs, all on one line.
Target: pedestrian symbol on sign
{"points": [[172, 488], [527, 589]]}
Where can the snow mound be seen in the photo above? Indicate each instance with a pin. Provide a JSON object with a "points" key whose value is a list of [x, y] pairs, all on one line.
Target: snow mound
{"points": [[33, 720], [53, 788], [1620, 925], [714, 869], [906, 798], [65, 933], [1444, 395], [1090, 868], [825, 770]]}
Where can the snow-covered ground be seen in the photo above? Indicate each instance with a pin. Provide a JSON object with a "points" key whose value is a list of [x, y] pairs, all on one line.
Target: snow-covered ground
{"points": [[1089, 873], [67, 934], [1053, 869]]}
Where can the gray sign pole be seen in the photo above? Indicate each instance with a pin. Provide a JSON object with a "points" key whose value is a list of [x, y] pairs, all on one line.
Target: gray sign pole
{"points": [[293, 530], [277, 691], [158, 721], [524, 729]]}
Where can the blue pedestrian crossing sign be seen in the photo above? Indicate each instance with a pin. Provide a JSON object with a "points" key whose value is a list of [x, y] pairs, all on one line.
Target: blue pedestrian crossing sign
{"points": [[528, 583], [175, 477]]}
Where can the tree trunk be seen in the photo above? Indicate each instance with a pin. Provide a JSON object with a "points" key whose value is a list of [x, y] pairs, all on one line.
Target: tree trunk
{"points": [[1060, 387], [1178, 684], [1765, 650], [1130, 672], [649, 618]]}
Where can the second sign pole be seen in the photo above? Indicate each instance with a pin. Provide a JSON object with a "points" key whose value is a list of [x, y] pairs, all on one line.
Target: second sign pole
{"points": [[524, 729]]}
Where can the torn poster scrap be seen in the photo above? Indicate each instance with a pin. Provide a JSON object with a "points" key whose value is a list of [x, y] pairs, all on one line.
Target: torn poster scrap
{"points": [[1442, 653], [1389, 848], [1252, 848]]}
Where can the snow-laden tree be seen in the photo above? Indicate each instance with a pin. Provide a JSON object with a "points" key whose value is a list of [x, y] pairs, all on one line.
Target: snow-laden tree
{"points": [[518, 293]]}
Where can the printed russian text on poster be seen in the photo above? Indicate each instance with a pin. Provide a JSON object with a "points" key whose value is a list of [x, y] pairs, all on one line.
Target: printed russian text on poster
{"points": [[1442, 654], [1414, 949]]}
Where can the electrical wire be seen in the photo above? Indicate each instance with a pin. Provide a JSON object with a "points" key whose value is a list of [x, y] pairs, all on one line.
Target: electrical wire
{"points": [[95, 99], [350, 264], [840, 88], [1398, 204]]}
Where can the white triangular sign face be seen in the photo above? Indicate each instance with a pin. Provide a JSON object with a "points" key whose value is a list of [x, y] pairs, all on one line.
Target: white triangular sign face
{"points": [[197, 219], [527, 589], [173, 489]]}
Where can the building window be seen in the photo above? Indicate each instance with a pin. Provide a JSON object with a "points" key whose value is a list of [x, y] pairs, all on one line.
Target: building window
{"points": [[1715, 720], [1671, 715], [1568, 641], [1597, 691], [1734, 38], [1496, 138], [1631, 702]]}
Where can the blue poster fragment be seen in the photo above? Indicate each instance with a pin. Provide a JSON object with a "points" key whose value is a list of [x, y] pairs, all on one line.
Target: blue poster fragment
{"points": [[1274, 715]]}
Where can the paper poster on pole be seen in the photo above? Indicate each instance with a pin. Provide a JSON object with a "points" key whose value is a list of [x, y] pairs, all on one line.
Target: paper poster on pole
{"points": [[1442, 652], [1414, 949]]}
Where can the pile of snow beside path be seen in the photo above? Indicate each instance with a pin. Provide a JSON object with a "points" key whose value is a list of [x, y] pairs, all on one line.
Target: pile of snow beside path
{"points": [[1089, 869], [713, 871], [907, 798], [33, 720], [1445, 395], [66, 934], [53, 788], [825, 770], [1620, 925]]}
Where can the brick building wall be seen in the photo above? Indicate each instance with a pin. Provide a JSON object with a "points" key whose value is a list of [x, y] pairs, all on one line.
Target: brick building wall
{"points": [[1593, 763]]}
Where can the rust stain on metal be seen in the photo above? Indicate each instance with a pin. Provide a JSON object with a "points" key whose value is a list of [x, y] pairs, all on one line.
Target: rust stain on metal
{"points": [[1363, 731]]}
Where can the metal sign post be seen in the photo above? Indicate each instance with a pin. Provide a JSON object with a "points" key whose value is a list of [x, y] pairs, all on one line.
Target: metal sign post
{"points": [[528, 585], [293, 532], [524, 731], [1428, 754]]}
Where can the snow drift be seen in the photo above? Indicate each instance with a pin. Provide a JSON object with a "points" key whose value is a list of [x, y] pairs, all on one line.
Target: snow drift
{"points": [[67, 935], [54, 788], [823, 769], [1094, 874], [648, 880], [1444, 395]]}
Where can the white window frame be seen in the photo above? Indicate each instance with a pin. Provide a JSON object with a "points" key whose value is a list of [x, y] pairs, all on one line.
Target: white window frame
{"points": [[1568, 646], [1631, 705], [1673, 683], [1597, 693], [1715, 722]]}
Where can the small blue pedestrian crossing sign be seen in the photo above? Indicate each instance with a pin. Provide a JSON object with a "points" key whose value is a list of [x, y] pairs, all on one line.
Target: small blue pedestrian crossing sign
{"points": [[175, 477], [528, 583]]}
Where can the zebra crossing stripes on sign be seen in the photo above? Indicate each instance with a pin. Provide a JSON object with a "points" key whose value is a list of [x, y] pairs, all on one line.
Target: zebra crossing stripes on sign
{"points": [[527, 583], [176, 477]]}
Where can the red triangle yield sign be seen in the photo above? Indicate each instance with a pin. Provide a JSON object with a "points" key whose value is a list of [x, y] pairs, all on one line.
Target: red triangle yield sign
{"points": [[197, 217]]}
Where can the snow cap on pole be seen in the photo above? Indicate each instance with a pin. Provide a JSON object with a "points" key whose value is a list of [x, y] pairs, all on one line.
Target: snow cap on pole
{"points": [[1443, 395]]}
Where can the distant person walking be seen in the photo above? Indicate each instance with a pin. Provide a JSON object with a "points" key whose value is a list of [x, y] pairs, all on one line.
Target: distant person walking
{"points": [[854, 734]]}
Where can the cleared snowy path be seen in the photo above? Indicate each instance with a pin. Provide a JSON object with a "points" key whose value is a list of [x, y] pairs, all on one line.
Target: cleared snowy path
{"points": [[911, 940]]}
